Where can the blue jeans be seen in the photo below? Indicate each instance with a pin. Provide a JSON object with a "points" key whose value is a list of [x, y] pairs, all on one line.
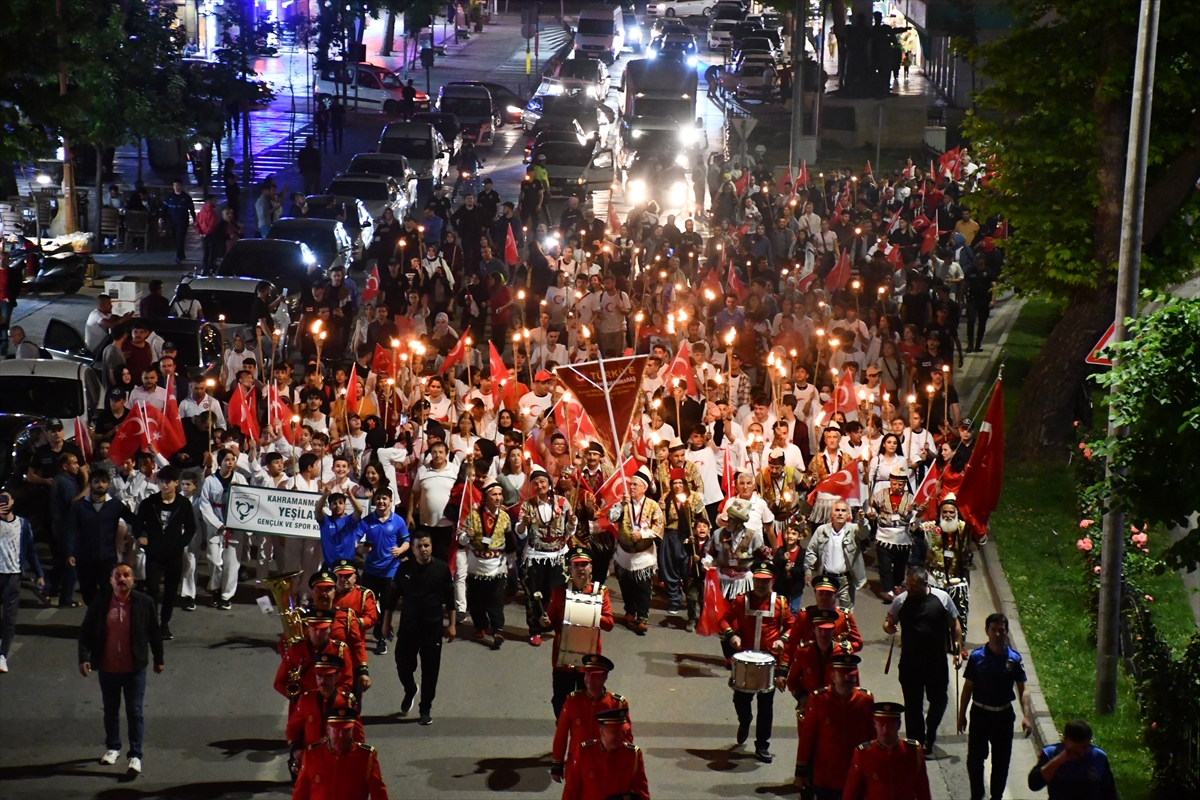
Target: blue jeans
{"points": [[133, 685], [794, 603]]}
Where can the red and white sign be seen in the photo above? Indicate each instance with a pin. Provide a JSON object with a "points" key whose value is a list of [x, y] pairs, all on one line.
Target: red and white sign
{"points": [[1105, 340]]}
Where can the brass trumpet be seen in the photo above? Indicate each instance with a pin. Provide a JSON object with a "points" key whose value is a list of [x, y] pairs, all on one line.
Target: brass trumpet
{"points": [[281, 587]]}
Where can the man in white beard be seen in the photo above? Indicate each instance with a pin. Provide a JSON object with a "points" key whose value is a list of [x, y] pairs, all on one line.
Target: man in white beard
{"points": [[948, 555]]}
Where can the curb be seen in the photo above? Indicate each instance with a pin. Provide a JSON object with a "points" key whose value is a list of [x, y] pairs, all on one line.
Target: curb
{"points": [[1044, 731]]}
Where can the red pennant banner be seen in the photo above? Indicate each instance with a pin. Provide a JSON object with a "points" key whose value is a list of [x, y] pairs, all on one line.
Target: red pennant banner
{"points": [[610, 412]]}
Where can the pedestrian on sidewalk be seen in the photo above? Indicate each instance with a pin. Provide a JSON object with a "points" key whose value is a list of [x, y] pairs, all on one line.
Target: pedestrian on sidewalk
{"points": [[180, 211], [1074, 767], [233, 192], [321, 119], [268, 208], [337, 124], [309, 162], [408, 100], [119, 627], [207, 223], [16, 548], [992, 673]]}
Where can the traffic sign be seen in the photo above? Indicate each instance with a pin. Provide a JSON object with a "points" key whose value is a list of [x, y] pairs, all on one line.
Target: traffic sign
{"points": [[1105, 340], [743, 126]]}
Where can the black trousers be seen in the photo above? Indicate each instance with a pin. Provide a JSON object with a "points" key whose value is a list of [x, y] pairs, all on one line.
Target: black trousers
{"points": [[563, 683], [539, 577], [162, 583], [893, 561], [919, 682], [976, 313], [601, 560], [425, 642], [10, 601], [439, 538], [485, 602], [672, 565], [992, 729], [92, 575], [179, 231], [742, 702], [385, 597], [636, 593]]}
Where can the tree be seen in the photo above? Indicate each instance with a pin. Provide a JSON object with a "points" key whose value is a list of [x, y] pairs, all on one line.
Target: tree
{"points": [[1158, 396], [242, 43], [1054, 116]]}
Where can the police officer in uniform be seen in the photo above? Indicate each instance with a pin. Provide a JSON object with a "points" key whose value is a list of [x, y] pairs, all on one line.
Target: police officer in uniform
{"points": [[577, 722], [992, 673], [887, 767], [608, 767], [337, 768], [839, 719]]}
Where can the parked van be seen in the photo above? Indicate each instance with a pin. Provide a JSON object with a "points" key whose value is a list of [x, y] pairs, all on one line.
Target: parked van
{"points": [[368, 87], [600, 33], [422, 145], [473, 107]]}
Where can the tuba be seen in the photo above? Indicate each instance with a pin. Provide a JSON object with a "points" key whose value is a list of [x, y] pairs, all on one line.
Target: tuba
{"points": [[281, 587]]}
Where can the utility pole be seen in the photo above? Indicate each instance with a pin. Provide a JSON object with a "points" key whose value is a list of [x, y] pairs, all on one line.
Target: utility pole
{"points": [[801, 147], [1108, 633], [66, 209]]}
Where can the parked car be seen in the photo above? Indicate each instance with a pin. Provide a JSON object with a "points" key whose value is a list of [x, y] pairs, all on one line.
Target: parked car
{"points": [[588, 74], [353, 214], [396, 166], [233, 298], [324, 244], [288, 265], [476, 111], [420, 142], [447, 125], [200, 344], [754, 44], [368, 87], [377, 193], [678, 45], [720, 33], [664, 24], [34, 391], [745, 80], [679, 8], [510, 104], [634, 35]]}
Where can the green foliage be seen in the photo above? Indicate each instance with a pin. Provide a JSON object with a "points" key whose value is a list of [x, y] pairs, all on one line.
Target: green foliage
{"points": [[1157, 396], [1059, 79]]}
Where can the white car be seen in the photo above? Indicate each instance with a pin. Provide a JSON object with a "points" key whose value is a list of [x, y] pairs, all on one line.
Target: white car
{"points": [[377, 192], [679, 8], [588, 74], [231, 300], [369, 88], [720, 33]]}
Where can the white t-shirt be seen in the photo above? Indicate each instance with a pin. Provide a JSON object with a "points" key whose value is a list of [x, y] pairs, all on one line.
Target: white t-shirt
{"points": [[435, 493], [536, 405], [94, 332], [834, 558], [558, 301], [706, 462]]}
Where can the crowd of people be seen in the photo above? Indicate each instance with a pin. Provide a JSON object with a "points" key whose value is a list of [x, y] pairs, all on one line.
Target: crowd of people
{"points": [[797, 413]]}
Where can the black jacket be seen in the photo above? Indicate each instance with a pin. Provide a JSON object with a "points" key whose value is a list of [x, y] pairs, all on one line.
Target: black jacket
{"points": [[165, 543], [143, 630]]}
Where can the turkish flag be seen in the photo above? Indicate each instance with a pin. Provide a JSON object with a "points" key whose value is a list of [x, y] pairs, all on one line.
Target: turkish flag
{"points": [[894, 222], [736, 287], [929, 238], [511, 256], [172, 419], [614, 221], [243, 411], [839, 276], [846, 191], [740, 185], [908, 171], [614, 486], [867, 171], [281, 411], [371, 290], [381, 362], [843, 483], [129, 438], [574, 422], [951, 163], [712, 283], [802, 178], [141, 427], [681, 367], [927, 493], [715, 605], [502, 383], [787, 178], [728, 471], [843, 400], [160, 431], [920, 222], [894, 257], [83, 440], [984, 475], [456, 354], [352, 398]]}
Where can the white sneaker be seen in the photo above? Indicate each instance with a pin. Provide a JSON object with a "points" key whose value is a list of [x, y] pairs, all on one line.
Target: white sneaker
{"points": [[3, 664], [110, 757], [135, 765]]}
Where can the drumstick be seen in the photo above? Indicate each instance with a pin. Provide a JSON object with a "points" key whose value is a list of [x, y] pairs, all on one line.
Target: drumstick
{"points": [[891, 647], [537, 605]]}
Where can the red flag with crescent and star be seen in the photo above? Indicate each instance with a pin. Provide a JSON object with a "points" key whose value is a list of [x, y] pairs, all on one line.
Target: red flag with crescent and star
{"points": [[511, 257], [611, 490], [281, 412], [681, 367], [785, 178], [456, 354], [736, 287], [843, 400], [930, 237], [381, 362], [839, 276], [983, 478], [371, 290], [843, 483], [927, 492], [173, 421], [802, 178], [243, 411]]}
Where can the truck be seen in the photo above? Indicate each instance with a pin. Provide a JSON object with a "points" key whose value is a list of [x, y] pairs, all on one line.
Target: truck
{"points": [[659, 88]]}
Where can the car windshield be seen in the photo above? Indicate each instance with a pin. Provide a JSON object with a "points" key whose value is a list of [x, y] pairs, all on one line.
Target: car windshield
{"points": [[319, 240], [363, 190], [378, 166], [564, 154], [234, 305], [653, 139], [41, 396], [343, 212], [581, 68], [595, 27], [390, 80], [466, 106], [412, 148]]}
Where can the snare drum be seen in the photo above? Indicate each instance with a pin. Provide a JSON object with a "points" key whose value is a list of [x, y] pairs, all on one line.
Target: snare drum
{"points": [[752, 672], [580, 634]]}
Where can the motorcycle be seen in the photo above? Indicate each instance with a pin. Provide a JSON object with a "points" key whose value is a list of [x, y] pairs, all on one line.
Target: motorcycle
{"points": [[52, 268]]}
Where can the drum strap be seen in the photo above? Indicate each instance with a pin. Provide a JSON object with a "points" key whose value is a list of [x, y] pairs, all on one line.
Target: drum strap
{"points": [[758, 617]]}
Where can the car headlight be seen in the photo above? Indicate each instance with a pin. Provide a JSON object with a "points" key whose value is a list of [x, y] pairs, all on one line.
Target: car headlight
{"points": [[579, 181], [678, 193], [692, 61], [681, 160], [512, 110], [554, 89], [687, 135], [636, 134], [637, 192], [635, 35], [308, 258]]}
